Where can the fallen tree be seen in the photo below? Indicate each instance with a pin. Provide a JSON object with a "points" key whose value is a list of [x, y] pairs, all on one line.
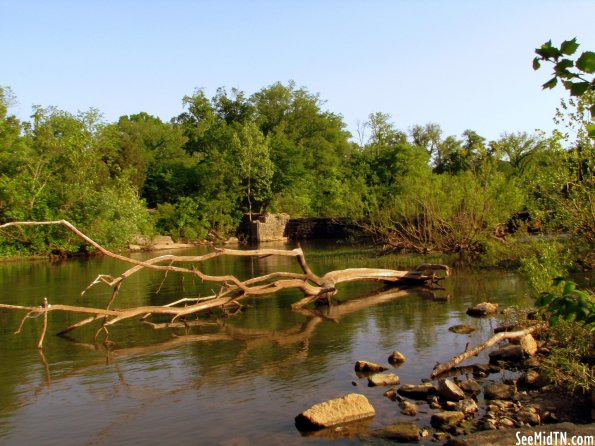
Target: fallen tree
{"points": [[505, 335], [231, 290]]}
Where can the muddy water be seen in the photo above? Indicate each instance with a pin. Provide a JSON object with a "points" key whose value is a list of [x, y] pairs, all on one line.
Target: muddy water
{"points": [[238, 380]]}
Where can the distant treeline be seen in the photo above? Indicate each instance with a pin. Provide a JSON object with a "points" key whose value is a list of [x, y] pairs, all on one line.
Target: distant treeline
{"points": [[277, 150]]}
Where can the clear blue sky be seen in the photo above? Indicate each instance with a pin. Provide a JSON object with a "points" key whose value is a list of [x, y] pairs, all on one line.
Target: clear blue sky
{"points": [[461, 64]]}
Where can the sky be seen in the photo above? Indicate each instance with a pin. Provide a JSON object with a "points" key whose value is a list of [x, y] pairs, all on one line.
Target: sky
{"points": [[461, 64]]}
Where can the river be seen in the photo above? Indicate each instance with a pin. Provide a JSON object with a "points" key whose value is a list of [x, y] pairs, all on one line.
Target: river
{"points": [[236, 380]]}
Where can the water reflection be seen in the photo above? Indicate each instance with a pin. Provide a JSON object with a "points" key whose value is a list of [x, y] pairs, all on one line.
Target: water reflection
{"points": [[227, 381]]}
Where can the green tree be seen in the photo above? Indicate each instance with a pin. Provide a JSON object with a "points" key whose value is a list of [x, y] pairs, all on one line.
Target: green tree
{"points": [[570, 192], [428, 137], [255, 165]]}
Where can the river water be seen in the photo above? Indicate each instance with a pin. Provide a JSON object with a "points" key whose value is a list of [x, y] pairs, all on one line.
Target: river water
{"points": [[236, 380]]}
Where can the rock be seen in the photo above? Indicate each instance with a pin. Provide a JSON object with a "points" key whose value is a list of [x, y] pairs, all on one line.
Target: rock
{"points": [[470, 386], [391, 394], [528, 345], [528, 416], [481, 370], [401, 432], [533, 379], [162, 240], [408, 408], [449, 405], [506, 423], [533, 362], [348, 408], [510, 437], [449, 390], [417, 392], [490, 425], [499, 392], [508, 353], [367, 366], [461, 329], [232, 241], [482, 309], [446, 420], [502, 405], [467, 406], [397, 358], [383, 379], [434, 403], [440, 436]]}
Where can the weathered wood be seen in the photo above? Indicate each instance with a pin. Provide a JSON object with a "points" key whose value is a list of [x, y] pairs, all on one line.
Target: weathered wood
{"points": [[443, 367], [231, 291]]}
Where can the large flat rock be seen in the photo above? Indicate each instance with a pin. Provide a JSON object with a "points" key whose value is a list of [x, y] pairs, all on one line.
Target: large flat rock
{"points": [[330, 413]]}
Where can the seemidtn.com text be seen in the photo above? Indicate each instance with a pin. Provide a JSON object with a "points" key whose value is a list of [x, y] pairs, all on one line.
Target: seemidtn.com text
{"points": [[553, 438]]}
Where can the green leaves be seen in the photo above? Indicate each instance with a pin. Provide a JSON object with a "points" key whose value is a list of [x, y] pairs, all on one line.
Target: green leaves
{"points": [[551, 83], [573, 74], [570, 305], [586, 62], [569, 47], [547, 51], [577, 88]]}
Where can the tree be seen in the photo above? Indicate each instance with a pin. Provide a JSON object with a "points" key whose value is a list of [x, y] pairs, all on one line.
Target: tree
{"points": [[428, 137], [520, 150], [256, 168]]}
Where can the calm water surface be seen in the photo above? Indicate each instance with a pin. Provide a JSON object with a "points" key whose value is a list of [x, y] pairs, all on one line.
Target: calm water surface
{"points": [[239, 380]]}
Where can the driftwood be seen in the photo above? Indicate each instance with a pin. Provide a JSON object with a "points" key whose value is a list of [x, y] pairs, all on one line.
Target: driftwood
{"points": [[445, 366], [231, 290]]}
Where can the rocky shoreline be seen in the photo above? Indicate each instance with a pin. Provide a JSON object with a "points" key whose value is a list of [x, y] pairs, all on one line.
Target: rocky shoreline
{"points": [[465, 404]]}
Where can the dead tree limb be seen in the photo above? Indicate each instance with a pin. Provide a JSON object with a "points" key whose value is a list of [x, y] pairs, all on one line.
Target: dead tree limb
{"points": [[231, 288], [445, 366]]}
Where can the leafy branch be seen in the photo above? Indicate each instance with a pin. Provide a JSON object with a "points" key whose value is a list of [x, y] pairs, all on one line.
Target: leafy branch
{"points": [[570, 305], [575, 75]]}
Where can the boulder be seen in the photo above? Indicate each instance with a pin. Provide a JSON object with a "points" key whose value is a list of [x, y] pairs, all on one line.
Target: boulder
{"points": [[482, 309], [383, 379], [367, 366], [448, 390], [461, 329], [400, 432], [345, 409], [397, 358], [417, 392], [508, 353], [408, 408], [467, 406], [528, 345], [162, 240], [470, 386], [499, 392], [446, 420]]}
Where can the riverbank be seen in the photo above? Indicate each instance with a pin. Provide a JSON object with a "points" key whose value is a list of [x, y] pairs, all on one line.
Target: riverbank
{"points": [[475, 404]]}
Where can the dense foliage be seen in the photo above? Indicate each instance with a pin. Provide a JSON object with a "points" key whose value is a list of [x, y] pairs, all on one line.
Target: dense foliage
{"points": [[279, 150]]}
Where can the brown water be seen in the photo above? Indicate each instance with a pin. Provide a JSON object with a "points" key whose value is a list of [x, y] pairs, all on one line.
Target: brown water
{"points": [[239, 380]]}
